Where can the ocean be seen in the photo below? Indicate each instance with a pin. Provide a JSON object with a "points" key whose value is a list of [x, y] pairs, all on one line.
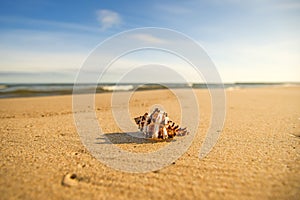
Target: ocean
{"points": [[32, 90]]}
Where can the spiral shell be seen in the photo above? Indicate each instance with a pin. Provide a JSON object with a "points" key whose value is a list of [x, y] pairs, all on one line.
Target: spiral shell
{"points": [[157, 125]]}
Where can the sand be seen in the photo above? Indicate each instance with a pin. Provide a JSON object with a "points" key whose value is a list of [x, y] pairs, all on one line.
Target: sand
{"points": [[257, 155]]}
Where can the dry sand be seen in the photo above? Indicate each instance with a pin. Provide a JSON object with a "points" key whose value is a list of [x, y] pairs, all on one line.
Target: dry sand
{"points": [[256, 157]]}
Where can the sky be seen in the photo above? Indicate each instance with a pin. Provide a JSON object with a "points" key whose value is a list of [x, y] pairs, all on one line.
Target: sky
{"points": [[248, 41]]}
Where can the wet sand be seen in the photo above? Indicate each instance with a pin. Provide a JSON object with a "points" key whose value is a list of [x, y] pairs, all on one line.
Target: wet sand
{"points": [[257, 155]]}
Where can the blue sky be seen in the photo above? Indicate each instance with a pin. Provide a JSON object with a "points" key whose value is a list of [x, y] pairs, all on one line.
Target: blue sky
{"points": [[249, 41]]}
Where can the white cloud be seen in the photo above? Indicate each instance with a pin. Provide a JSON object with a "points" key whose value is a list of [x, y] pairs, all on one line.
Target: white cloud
{"points": [[288, 6], [147, 38], [27, 50], [48, 23], [246, 62], [154, 58], [15, 60], [108, 19]]}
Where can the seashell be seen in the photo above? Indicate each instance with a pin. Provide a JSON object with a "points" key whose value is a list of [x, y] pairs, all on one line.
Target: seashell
{"points": [[157, 125], [70, 180]]}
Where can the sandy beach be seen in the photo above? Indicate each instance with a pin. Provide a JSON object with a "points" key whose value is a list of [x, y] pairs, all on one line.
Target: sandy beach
{"points": [[256, 157]]}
